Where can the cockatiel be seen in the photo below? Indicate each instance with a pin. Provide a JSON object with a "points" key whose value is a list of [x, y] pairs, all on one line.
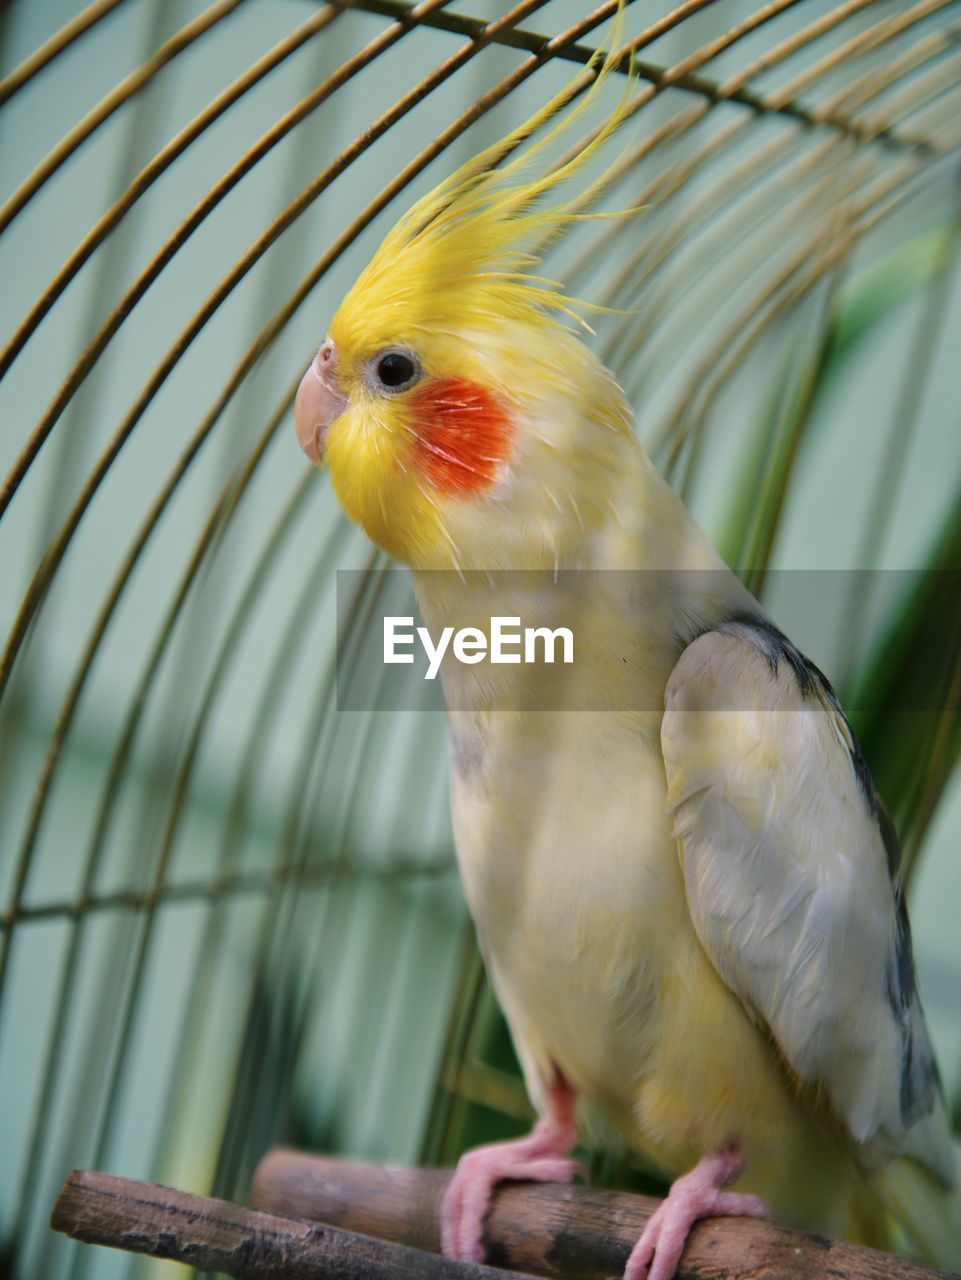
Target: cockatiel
{"points": [[685, 886]]}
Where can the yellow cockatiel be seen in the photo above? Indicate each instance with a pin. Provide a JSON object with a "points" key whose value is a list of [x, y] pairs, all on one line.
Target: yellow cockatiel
{"points": [[684, 885]]}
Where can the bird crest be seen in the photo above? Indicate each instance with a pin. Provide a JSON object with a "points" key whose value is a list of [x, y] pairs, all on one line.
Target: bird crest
{"points": [[464, 258]]}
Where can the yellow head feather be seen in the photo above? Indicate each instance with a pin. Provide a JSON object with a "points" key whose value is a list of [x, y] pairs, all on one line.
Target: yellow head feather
{"points": [[460, 260], [454, 284]]}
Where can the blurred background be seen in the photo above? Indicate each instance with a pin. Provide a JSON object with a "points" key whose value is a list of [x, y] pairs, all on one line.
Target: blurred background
{"points": [[229, 912]]}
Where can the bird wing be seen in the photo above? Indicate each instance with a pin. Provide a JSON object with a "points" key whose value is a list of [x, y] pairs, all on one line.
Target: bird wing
{"points": [[791, 873]]}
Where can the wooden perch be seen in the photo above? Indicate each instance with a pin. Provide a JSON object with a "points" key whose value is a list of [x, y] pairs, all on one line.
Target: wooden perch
{"points": [[215, 1235], [575, 1232]]}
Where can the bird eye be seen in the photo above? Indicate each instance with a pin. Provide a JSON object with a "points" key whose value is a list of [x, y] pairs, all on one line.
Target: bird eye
{"points": [[396, 370]]}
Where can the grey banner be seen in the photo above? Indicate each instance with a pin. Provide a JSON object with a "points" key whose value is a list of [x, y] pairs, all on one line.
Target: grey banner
{"points": [[600, 640]]}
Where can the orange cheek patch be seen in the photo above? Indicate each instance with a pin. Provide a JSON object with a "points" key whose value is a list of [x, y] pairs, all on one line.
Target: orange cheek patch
{"points": [[463, 432]]}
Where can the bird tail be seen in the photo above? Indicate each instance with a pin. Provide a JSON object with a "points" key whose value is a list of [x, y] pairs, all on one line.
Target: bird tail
{"points": [[929, 1212]]}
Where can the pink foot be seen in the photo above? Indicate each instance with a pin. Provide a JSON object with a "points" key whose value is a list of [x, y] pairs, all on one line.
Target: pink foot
{"points": [[543, 1156], [696, 1195]]}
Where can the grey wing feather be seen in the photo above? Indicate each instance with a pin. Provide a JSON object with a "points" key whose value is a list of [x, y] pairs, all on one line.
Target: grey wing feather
{"points": [[790, 869]]}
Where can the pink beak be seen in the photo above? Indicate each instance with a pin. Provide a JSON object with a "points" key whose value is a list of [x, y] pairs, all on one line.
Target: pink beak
{"points": [[318, 402]]}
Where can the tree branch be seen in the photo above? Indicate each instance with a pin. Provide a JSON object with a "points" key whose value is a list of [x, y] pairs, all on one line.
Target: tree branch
{"points": [[215, 1235], [579, 1233]]}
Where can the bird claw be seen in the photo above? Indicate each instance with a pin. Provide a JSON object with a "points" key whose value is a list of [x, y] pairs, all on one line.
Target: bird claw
{"points": [[543, 1156], [696, 1195], [468, 1195]]}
